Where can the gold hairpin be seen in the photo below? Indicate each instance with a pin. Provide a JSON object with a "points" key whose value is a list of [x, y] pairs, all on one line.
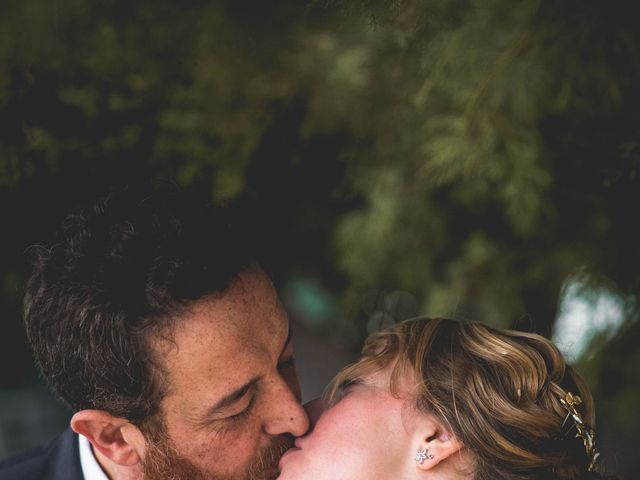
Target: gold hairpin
{"points": [[587, 434]]}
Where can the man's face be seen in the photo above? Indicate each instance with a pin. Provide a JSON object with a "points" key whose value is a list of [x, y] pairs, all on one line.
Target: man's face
{"points": [[233, 399]]}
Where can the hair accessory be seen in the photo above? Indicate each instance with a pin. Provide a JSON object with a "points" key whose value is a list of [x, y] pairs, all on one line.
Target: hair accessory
{"points": [[587, 434], [422, 455]]}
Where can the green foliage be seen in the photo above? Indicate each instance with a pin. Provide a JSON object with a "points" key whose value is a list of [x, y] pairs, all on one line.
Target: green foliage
{"points": [[475, 129]]}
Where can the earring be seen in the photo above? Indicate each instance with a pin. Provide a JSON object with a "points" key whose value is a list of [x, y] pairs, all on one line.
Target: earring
{"points": [[422, 455]]}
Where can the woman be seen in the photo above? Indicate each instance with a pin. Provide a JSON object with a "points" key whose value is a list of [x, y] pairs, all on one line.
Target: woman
{"points": [[435, 398]]}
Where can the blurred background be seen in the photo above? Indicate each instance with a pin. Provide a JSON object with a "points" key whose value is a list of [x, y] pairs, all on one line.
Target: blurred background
{"points": [[471, 159]]}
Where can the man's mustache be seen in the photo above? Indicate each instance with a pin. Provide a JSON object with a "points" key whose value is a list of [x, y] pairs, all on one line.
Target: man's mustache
{"points": [[265, 467]]}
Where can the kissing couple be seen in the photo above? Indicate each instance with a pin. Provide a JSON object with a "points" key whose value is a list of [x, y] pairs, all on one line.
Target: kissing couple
{"points": [[152, 317]]}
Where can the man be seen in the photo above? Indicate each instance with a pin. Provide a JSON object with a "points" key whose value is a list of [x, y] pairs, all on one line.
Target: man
{"points": [[150, 317]]}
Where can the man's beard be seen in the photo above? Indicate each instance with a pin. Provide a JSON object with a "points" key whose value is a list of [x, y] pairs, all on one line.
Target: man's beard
{"points": [[163, 462]]}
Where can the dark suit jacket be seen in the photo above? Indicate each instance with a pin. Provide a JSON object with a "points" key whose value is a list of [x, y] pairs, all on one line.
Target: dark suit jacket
{"points": [[58, 459]]}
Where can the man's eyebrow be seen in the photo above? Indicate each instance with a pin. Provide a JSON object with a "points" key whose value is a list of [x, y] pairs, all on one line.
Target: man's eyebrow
{"points": [[233, 397]]}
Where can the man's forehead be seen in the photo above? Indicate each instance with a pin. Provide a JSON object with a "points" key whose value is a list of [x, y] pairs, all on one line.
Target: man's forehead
{"points": [[249, 304], [249, 290], [225, 336]]}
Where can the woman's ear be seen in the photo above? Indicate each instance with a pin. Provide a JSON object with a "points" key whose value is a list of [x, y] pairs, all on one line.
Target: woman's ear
{"points": [[436, 443], [113, 437]]}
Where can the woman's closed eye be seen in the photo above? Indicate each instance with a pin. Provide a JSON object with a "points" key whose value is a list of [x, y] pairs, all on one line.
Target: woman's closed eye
{"points": [[345, 387]]}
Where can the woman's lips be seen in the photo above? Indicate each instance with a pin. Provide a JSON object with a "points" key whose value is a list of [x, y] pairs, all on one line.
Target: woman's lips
{"points": [[286, 455]]}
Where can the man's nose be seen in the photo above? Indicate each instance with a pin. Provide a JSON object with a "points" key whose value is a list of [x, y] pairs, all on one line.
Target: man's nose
{"points": [[285, 414]]}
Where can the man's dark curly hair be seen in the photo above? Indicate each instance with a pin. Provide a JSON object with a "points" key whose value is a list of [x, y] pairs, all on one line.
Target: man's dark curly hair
{"points": [[119, 272]]}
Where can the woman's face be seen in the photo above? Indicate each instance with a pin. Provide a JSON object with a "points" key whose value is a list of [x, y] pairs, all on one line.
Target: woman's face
{"points": [[360, 437]]}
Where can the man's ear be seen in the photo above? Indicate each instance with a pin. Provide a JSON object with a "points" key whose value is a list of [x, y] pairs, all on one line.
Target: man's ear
{"points": [[114, 437], [436, 443]]}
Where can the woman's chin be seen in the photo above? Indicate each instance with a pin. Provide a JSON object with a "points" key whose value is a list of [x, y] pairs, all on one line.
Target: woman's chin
{"points": [[287, 464]]}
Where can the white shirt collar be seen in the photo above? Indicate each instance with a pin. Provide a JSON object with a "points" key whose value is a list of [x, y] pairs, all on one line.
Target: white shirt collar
{"points": [[90, 467]]}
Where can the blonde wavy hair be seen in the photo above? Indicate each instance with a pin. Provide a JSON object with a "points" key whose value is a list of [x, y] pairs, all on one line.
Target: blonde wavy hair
{"points": [[498, 391]]}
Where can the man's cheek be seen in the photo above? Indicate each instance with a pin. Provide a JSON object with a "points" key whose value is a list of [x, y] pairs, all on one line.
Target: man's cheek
{"points": [[233, 449]]}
